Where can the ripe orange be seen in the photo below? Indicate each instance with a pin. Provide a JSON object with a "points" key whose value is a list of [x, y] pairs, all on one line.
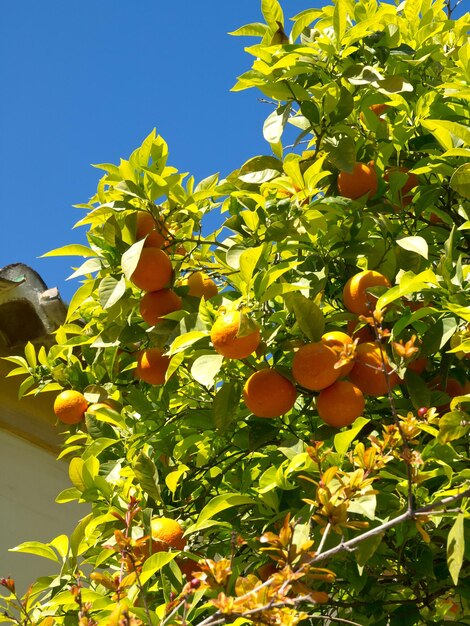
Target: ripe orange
{"points": [[269, 394], [188, 567], [362, 180], [313, 366], [166, 534], [340, 404], [226, 340], [151, 366], [418, 365], [337, 340], [70, 406], [453, 386], [147, 226], [368, 374], [201, 285], [355, 296], [154, 304], [153, 271], [363, 334], [378, 109]]}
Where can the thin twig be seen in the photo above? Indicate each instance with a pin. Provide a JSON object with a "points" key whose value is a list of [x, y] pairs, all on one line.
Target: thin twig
{"points": [[323, 539]]}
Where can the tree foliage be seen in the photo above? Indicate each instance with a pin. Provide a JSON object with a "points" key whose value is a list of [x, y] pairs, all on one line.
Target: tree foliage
{"points": [[287, 519]]}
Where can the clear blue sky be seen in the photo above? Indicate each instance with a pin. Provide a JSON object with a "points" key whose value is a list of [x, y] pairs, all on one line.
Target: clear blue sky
{"points": [[84, 82]]}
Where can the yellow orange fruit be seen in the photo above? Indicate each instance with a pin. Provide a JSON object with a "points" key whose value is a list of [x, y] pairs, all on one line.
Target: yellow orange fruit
{"points": [[166, 533], [200, 285], [340, 404], [355, 295], [361, 181], [313, 366], [226, 339], [368, 371], [365, 333], [267, 393], [156, 232], [155, 304], [152, 365], [153, 271], [338, 341], [70, 406]]}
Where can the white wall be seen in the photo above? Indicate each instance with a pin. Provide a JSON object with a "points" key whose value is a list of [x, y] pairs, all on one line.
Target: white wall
{"points": [[30, 479]]}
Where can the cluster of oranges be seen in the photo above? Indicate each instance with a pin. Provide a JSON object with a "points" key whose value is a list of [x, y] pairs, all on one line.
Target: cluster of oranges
{"points": [[154, 274], [317, 366], [340, 369]]}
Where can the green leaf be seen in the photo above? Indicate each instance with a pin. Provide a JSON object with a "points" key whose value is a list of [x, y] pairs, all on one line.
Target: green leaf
{"points": [[76, 473], [420, 393], [343, 440], [111, 291], [73, 249], [341, 150], [272, 13], [30, 354], [37, 548], [226, 405], [61, 544], [80, 296], [79, 534], [456, 548], [249, 259], [185, 340], [308, 315], [147, 475], [216, 505], [302, 20], [173, 478], [340, 20], [406, 615], [205, 368], [367, 548], [452, 426], [256, 29], [419, 245], [460, 181], [154, 564], [409, 283], [131, 257], [448, 134]]}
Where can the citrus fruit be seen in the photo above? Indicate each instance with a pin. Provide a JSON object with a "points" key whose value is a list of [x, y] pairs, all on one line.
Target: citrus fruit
{"points": [[267, 393], [361, 181], [418, 365], [200, 285], [166, 533], [156, 233], [153, 271], [340, 404], [364, 333], [338, 341], [368, 374], [188, 567], [155, 304], [378, 109], [313, 366], [453, 386], [70, 406], [355, 296], [226, 339], [151, 366]]}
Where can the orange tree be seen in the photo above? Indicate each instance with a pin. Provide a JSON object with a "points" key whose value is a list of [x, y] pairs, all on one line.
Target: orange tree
{"points": [[287, 518]]}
